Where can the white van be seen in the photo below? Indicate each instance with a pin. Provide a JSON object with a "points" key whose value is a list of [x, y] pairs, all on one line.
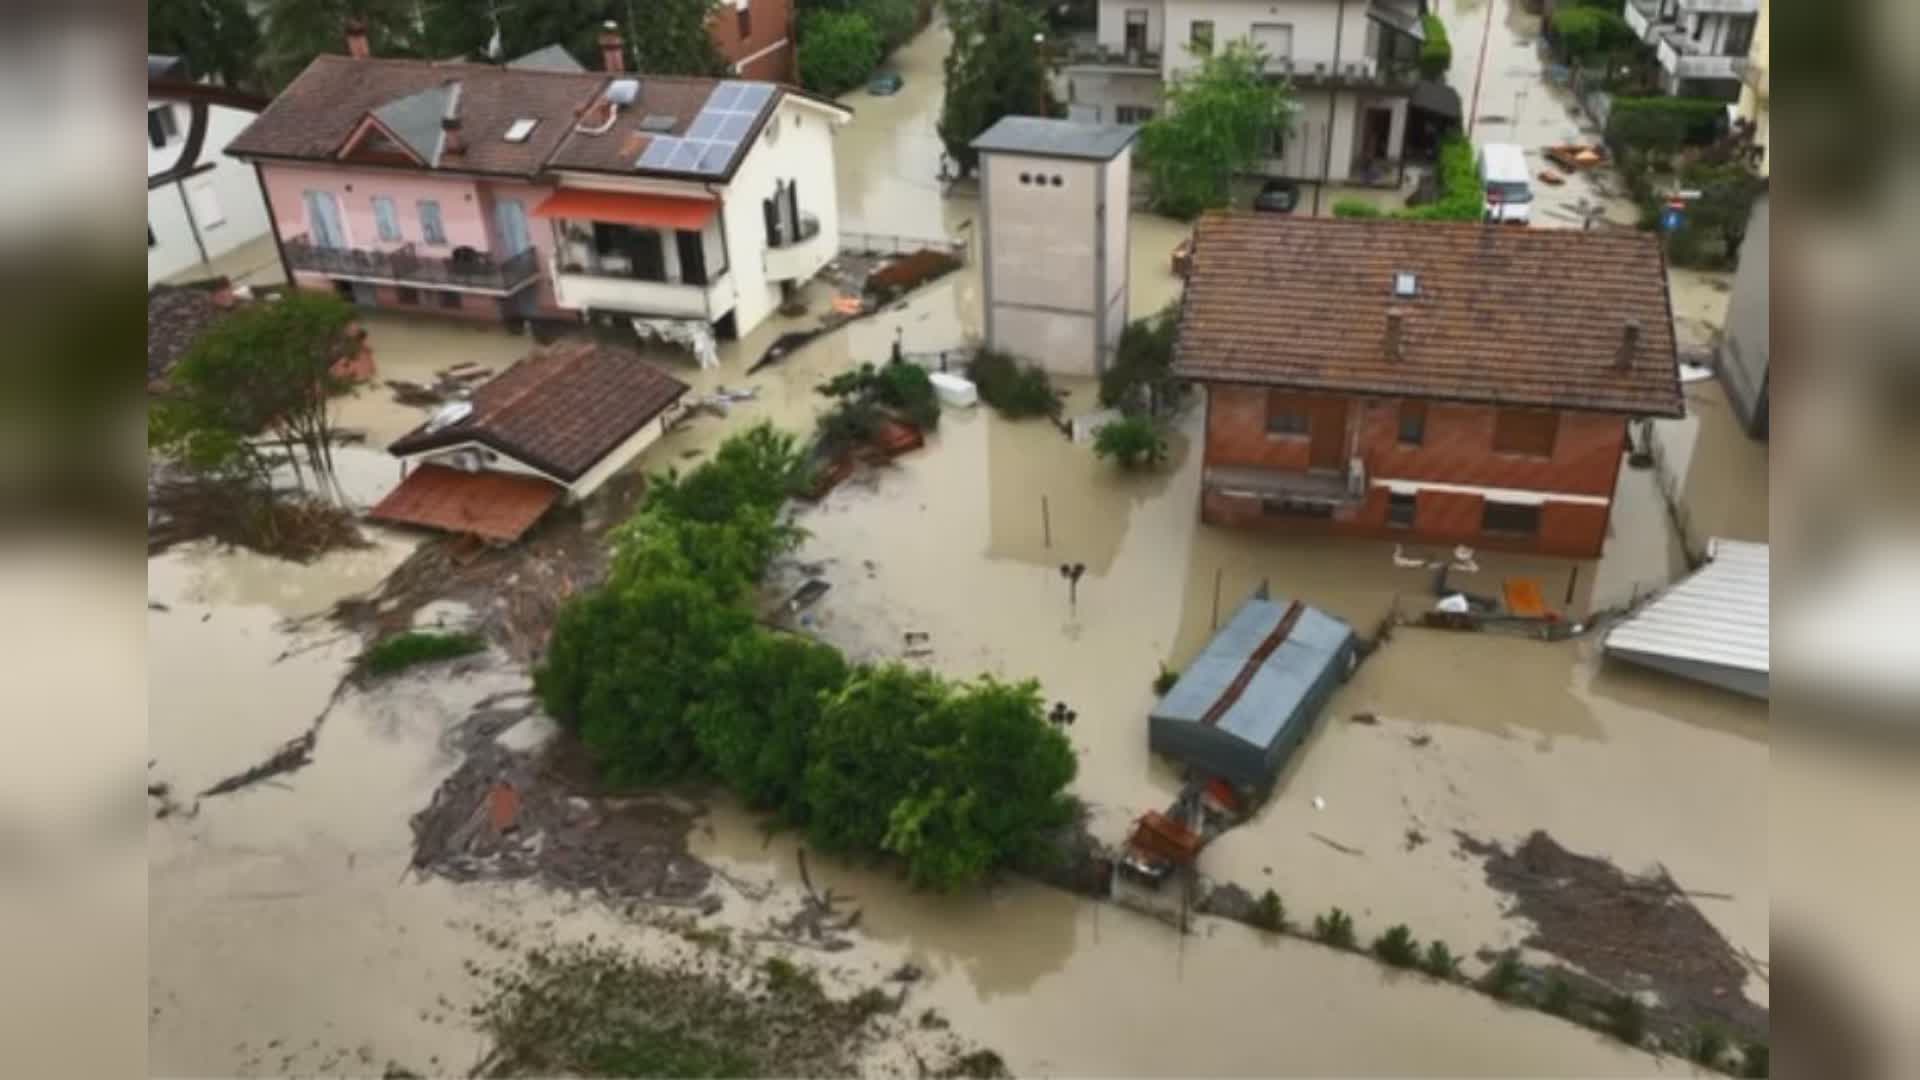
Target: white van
{"points": [[1506, 189]]}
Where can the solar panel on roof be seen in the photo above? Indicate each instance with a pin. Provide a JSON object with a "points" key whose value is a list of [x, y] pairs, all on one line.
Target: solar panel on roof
{"points": [[686, 155], [705, 126], [658, 152], [734, 128], [716, 157], [723, 96], [753, 97]]}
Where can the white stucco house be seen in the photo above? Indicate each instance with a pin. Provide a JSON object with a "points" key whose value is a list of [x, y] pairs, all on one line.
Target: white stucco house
{"points": [[1350, 63], [201, 204]]}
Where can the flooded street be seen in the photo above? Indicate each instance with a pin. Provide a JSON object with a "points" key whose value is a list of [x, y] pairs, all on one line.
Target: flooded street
{"points": [[288, 935]]}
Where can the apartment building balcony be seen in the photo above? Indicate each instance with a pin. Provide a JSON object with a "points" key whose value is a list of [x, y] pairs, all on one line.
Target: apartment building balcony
{"points": [[1084, 52], [1721, 7], [465, 270], [1367, 73], [1679, 59], [1329, 487], [799, 252], [609, 287]]}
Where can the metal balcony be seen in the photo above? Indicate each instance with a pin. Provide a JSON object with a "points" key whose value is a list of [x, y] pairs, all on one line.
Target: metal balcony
{"points": [[465, 270]]}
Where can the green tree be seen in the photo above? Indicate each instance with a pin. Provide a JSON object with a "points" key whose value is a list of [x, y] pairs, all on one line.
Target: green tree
{"points": [[217, 37], [1131, 443], [766, 694], [669, 37], [894, 20], [838, 50], [1219, 120], [299, 30], [862, 758], [994, 69], [1141, 379]]}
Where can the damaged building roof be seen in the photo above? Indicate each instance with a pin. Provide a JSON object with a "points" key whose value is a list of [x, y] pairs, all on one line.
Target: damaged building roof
{"points": [[1549, 318], [558, 410]]}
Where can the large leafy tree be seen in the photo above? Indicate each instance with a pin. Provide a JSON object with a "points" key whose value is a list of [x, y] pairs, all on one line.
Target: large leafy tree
{"points": [[1141, 379], [219, 38], [669, 37], [766, 694], [838, 50], [995, 68], [1220, 119], [299, 30]]}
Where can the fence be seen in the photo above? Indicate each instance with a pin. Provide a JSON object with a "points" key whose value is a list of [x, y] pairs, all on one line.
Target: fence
{"points": [[865, 243]]}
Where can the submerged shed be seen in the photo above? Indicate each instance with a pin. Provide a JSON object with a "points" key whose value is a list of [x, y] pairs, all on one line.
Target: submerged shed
{"points": [[1247, 700], [1714, 627]]}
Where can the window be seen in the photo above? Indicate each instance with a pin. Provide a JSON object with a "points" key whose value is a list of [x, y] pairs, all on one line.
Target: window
{"points": [[408, 296], [1200, 36], [1739, 39], [1275, 42], [1517, 519], [432, 229], [1285, 416], [449, 299], [1279, 142], [745, 16], [1529, 432], [1295, 508], [386, 218], [161, 126], [1413, 423], [1136, 32], [1132, 114], [1400, 510]]}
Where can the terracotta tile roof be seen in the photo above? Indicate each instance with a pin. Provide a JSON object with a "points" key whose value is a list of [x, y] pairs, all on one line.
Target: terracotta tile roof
{"points": [[490, 505], [313, 116], [1504, 315], [559, 409], [677, 96]]}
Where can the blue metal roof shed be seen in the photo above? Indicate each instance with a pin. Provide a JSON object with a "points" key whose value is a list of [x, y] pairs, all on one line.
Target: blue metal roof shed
{"points": [[1247, 700]]}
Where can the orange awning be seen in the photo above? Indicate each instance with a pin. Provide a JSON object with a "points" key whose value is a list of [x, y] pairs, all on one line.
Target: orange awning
{"points": [[490, 505], [624, 208]]}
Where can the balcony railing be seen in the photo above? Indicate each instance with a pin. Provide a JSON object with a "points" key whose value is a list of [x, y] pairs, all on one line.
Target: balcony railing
{"points": [[1722, 7], [466, 269], [1084, 52], [1678, 58], [807, 229], [799, 253], [582, 289], [1348, 74], [1336, 486]]}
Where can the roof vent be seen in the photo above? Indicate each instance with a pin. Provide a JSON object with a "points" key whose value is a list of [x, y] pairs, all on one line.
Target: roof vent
{"points": [[623, 91], [1396, 343], [1405, 283], [521, 128], [657, 123]]}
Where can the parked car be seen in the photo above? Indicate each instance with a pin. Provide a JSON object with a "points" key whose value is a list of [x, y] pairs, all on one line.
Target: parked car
{"points": [[885, 84], [1277, 197]]}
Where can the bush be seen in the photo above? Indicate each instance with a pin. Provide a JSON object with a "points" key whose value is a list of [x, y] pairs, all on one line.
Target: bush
{"points": [[1356, 208], [1503, 978], [1016, 391], [894, 20], [766, 695], [1141, 378], [1397, 947], [1590, 34], [1627, 1019], [838, 50], [1436, 52], [1269, 913], [1439, 961], [1131, 443], [417, 647], [1335, 928], [1664, 124], [1708, 1047], [1163, 682], [849, 424], [1559, 997], [1755, 1060], [903, 388], [1461, 198]]}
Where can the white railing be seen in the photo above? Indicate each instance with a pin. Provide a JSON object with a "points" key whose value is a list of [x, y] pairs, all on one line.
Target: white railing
{"points": [[1709, 67], [581, 291], [800, 258]]}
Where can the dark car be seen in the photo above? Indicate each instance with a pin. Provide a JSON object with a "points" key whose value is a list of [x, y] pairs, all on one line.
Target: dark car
{"points": [[885, 84], [1277, 197]]}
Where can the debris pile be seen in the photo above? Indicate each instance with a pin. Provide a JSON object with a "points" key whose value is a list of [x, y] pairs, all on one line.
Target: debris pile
{"points": [[449, 384]]}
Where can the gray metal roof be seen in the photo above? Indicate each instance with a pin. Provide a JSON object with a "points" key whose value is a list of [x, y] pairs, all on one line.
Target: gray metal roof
{"points": [[1719, 618], [1284, 679], [416, 119], [1043, 137], [548, 58]]}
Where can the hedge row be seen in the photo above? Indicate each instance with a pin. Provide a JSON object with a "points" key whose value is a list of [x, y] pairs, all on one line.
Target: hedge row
{"points": [[1436, 52], [1665, 124]]}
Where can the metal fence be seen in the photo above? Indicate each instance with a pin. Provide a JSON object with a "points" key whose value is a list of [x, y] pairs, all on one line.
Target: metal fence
{"points": [[866, 243]]}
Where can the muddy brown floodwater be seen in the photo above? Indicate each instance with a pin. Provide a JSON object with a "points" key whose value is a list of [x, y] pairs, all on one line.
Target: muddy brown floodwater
{"points": [[289, 935]]}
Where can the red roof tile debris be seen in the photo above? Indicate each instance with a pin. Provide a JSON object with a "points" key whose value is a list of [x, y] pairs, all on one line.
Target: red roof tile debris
{"points": [[493, 506], [559, 409], [1502, 315]]}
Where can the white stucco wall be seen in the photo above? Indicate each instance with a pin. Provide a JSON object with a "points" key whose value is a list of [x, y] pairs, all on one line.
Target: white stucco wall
{"points": [[1112, 27], [1062, 344], [796, 145], [1314, 24], [589, 482], [225, 200]]}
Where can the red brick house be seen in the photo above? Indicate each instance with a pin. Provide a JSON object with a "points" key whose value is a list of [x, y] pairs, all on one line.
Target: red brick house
{"points": [[1430, 382], [755, 37]]}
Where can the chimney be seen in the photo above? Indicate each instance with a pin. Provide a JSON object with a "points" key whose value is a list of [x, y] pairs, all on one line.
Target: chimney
{"points": [[612, 49], [357, 46], [1396, 335], [450, 140], [1629, 344]]}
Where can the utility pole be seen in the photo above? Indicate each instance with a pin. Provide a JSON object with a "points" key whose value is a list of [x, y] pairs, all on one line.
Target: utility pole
{"points": [[1333, 103]]}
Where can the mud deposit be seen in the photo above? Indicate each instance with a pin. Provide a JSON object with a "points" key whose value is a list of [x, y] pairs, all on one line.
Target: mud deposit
{"points": [[1630, 932]]}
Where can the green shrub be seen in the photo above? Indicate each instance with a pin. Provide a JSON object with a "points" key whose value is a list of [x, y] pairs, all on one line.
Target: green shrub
{"points": [[1131, 443], [418, 647], [1356, 208], [1559, 997], [894, 20], [1755, 1060], [1709, 1045], [1503, 978], [1397, 946], [1439, 961], [1164, 682], [766, 695], [1664, 124], [1590, 34], [902, 388], [1335, 928], [838, 50], [848, 424], [1461, 198], [1140, 380], [1017, 392], [1269, 913], [908, 388], [1627, 1019], [1436, 52]]}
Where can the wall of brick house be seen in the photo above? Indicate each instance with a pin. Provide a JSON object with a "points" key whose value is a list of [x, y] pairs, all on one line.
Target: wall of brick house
{"points": [[771, 24], [1441, 518], [1457, 449]]}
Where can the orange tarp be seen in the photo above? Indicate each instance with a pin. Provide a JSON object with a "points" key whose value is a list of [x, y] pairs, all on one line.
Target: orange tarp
{"points": [[1523, 597], [490, 505], [660, 211]]}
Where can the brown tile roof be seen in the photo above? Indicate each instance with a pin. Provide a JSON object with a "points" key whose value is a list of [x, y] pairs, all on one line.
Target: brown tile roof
{"points": [[559, 409], [176, 317], [313, 116], [1504, 315], [676, 96], [491, 505]]}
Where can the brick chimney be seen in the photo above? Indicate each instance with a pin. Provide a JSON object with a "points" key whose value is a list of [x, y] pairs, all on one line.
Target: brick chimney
{"points": [[451, 142], [1629, 345], [613, 50], [357, 46], [1396, 343]]}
